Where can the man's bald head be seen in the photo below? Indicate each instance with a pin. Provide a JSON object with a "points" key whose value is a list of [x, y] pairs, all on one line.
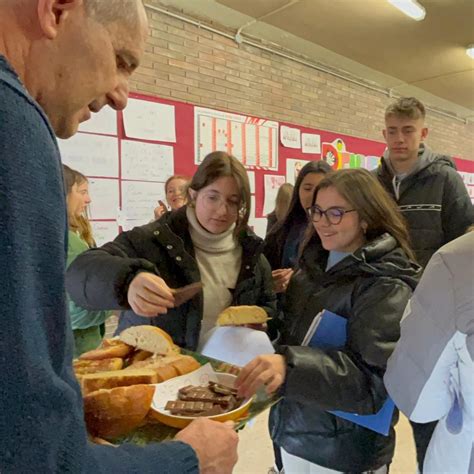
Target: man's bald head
{"points": [[108, 11]]}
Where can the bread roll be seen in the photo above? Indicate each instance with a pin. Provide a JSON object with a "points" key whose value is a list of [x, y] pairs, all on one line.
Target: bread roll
{"points": [[138, 356], [239, 315], [185, 364], [118, 378], [160, 365], [147, 338], [116, 412], [82, 367], [109, 348]]}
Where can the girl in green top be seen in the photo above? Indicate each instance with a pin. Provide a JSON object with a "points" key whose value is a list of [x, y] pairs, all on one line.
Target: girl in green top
{"points": [[87, 325]]}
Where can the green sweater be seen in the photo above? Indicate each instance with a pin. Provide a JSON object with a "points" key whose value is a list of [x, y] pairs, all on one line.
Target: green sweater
{"points": [[81, 318]]}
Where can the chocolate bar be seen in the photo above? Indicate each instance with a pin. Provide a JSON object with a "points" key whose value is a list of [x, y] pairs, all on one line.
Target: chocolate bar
{"points": [[181, 407], [214, 399]]}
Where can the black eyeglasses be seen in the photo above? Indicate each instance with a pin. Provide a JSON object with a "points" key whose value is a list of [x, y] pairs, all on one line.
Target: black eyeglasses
{"points": [[334, 214]]}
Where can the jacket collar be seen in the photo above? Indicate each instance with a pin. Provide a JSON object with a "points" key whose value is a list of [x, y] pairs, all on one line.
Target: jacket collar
{"points": [[172, 232], [381, 256]]}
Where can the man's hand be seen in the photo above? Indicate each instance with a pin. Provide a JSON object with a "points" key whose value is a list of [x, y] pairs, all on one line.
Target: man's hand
{"points": [[215, 445], [267, 370], [281, 278], [149, 295]]}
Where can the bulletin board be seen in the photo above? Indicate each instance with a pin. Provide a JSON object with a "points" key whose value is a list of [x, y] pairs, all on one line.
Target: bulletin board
{"points": [[127, 156]]}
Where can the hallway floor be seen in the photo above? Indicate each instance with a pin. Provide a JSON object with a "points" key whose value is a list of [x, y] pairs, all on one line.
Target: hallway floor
{"points": [[256, 453]]}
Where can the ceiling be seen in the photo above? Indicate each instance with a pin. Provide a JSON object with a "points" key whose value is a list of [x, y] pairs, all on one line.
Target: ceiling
{"points": [[370, 39]]}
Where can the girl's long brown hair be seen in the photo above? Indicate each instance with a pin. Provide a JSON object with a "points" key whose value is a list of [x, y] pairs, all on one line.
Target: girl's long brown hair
{"points": [[79, 224], [374, 205]]}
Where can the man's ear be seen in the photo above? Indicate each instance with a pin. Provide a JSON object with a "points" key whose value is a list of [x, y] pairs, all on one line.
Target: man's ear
{"points": [[52, 12], [424, 133], [384, 132]]}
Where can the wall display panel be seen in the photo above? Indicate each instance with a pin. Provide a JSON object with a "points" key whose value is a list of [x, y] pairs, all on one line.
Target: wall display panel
{"points": [[138, 158]]}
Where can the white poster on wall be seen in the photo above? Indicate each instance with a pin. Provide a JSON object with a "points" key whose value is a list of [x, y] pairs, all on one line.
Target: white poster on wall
{"points": [[311, 143], [149, 121], [259, 226], [272, 184], [253, 207], [104, 195], [104, 122], [290, 137], [293, 167], [139, 199], [253, 141], [251, 175], [92, 155], [147, 161], [104, 232]]}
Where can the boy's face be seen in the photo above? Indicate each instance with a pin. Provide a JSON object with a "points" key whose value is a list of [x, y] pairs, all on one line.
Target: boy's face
{"points": [[403, 136]]}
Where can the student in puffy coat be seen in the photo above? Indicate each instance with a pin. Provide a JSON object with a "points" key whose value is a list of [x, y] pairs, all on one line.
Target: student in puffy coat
{"points": [[208, 240], [356, 263], [430, 375]]}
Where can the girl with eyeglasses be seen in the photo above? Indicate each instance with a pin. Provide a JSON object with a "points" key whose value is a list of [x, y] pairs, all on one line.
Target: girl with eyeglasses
{"points": [[208, 240], [356, 262]]}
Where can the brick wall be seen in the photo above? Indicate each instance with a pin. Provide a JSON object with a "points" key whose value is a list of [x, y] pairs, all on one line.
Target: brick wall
{"points": [[189, 64]]}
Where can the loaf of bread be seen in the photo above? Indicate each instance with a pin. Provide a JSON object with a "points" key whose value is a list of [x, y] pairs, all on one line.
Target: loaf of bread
{"points": [[239, 315], [147, 338], [138, 356], [167, 367], [117, 378], [109, 348], [82, 367], [116, 412], [185, 364], [163, 370]]}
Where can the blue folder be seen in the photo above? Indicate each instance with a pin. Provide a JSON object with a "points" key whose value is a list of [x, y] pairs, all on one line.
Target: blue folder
{"points": [[329, 331]]}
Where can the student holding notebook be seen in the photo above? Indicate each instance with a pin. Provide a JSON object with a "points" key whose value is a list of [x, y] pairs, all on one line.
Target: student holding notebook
{"points": [[357, 264]]}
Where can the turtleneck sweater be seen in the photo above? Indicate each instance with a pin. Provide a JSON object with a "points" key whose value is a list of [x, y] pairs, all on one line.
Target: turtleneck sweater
{"points": [[219, 258]]}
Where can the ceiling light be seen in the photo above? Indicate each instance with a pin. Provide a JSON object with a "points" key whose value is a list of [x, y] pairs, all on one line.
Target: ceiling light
{"points": [[410, 7], [470, 51]]}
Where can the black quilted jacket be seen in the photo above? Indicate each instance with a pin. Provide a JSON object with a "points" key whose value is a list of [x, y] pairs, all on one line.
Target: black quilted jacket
{"points": [[371, 289]]}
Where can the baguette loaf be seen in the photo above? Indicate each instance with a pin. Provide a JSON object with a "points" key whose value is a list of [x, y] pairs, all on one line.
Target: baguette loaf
{"points": [[147, 338], [109, 348], [239, 315], [117, 378], [82, 367], [116, 412]]}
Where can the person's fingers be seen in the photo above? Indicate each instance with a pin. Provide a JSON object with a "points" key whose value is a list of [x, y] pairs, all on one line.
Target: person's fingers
{"points": [[246, 372], [265, 377], [143, 309], [158, 286], [159, 306], [154, 298], [274, 384]]}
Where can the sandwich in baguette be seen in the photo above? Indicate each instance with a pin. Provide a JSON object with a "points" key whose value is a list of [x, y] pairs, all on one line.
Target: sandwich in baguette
{"points": [[241, 315]]}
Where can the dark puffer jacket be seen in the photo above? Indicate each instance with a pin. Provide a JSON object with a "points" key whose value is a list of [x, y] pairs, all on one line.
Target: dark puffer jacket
{"points": [[99, 278], [371, 289], [433, 200]]}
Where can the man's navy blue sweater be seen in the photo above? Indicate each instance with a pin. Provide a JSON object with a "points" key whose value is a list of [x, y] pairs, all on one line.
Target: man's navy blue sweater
{"points": [[41, 418]]}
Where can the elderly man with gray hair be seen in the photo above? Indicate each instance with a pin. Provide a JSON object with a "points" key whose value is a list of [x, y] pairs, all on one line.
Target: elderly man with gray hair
{"points": [[60, 61]]}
